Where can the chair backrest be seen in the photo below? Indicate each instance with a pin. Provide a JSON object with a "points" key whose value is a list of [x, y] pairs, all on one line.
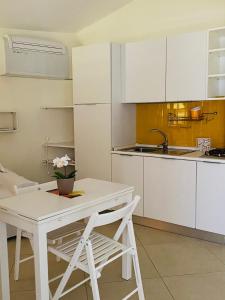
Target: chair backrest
{"points": [[111, 217], [124, 214]]}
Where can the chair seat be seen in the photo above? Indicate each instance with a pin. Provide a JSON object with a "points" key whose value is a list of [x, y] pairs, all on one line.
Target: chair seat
{"points": [[63, 232], [103, 248]]}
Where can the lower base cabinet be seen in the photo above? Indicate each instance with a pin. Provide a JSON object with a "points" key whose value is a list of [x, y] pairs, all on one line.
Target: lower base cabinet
{"points": [[128, 169], [170, 190], [210, 213]]}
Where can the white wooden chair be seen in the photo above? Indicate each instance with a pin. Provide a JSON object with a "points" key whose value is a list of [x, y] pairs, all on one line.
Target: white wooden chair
{"points": [[54, 237], [92, 251]]}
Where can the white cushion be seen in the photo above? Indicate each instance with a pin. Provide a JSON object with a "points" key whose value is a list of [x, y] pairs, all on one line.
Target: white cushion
{"points": [[2, 169], [9, 180]]}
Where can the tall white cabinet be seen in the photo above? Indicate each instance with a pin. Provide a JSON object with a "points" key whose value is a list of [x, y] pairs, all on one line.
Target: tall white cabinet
{"points": [[92, 73], [144, 71], [186, 77], [93, 140], [97, 94]]}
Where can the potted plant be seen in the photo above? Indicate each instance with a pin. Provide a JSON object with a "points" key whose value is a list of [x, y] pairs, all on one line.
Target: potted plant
{"points": [[65, 181]]}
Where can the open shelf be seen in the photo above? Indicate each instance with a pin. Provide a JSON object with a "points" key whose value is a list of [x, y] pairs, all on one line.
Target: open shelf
{"points": [[216, 64], [8, 122], [216, 75], [50, 162], [69, 145], [217, 38], [57, 107], [217, 51]]}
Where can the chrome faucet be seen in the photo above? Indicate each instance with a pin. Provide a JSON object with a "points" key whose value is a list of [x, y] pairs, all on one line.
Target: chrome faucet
{"points": [[165, 143]]}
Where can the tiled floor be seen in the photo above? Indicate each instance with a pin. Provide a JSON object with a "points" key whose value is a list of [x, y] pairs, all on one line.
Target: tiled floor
{"points": [[172, 266]]}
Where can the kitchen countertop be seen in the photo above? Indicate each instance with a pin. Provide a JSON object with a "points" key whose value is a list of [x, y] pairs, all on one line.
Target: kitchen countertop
{"points": [[196, 155]]}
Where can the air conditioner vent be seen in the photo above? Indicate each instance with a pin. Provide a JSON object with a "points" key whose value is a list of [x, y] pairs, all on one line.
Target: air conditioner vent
{"points": [[35, 45], [33, 57]]}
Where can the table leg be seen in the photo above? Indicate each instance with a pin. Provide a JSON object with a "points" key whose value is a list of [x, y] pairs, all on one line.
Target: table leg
{"points": [[4, 265], [41, 265]]}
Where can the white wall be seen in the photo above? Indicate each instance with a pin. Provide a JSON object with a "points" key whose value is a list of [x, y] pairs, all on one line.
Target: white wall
{"points": [[23, 151], [141, 19]]}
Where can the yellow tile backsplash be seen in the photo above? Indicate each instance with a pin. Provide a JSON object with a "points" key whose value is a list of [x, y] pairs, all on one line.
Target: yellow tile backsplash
{"points": [[155, 115]]}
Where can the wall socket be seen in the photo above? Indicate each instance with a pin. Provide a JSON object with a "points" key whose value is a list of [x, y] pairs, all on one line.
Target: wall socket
{"points": [[203, 144]]}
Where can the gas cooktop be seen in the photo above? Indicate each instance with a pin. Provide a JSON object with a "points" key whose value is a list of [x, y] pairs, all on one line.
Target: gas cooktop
{"points": [[219, 152]]}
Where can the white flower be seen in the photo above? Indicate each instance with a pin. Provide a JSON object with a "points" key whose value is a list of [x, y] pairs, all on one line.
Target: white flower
{"points": [[66, 157], [56, 161], [61, 162], [65, 163]]}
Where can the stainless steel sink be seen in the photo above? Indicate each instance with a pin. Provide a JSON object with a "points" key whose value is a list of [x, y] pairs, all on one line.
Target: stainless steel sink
{"points": [[141, 149], [174, 152], [157, 150]]}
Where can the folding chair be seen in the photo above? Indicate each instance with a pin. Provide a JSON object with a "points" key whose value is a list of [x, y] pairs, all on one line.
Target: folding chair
{"points": [[92, 251]]}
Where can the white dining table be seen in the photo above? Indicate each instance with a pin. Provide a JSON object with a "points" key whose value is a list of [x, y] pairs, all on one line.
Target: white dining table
{"points": [[40, 212]]}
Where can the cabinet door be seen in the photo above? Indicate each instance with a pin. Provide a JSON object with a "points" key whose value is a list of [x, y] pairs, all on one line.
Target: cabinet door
{"points": [[92, 74], [145, 71], [186, 67], [210, 197], [92, 127], [128, 170], [169, 190]]}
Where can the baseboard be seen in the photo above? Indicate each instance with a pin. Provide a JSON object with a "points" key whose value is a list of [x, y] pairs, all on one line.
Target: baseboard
{"points": [[186, 231]]}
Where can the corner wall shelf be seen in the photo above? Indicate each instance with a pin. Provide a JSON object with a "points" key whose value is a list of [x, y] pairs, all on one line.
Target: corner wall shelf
{"points": [[8, 122], [50, 162], [57, 107], [216, 63], [216, 76], [219, 51], [69, 145]]}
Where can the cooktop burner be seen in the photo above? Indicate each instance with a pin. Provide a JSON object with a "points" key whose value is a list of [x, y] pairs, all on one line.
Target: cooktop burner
{"points": [[219, 152]]}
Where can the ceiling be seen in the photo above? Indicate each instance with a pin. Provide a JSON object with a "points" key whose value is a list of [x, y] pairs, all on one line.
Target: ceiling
{"points": [[55, 15]]}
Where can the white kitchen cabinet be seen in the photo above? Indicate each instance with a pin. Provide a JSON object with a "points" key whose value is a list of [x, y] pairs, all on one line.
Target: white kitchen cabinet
{"points": [[101, 120], [210, 197], [186, 77], [169, 190], [128, 169], [92, 73], [145, 71], [92, 128]]}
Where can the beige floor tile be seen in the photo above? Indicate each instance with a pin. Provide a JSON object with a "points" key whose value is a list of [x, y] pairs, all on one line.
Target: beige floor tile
{"points": [[110, 230], [154, 289], [170, 253], [26, 279], [217, 249], [183, 258], [209, 286], [78, 294], [25, 248], [112, 272], [150, 236], [20, 295]]}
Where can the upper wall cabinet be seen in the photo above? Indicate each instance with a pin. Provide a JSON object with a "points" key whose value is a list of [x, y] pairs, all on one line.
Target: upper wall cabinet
{"points": [[186, 67], [92, 74], [144, 71]]}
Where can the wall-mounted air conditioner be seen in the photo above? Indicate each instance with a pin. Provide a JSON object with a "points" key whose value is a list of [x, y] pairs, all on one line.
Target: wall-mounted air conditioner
{"points": [[33, 57]]}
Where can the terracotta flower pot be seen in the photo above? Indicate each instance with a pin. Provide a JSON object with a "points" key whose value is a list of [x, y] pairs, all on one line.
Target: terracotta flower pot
{"points": [[65, 186]]}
